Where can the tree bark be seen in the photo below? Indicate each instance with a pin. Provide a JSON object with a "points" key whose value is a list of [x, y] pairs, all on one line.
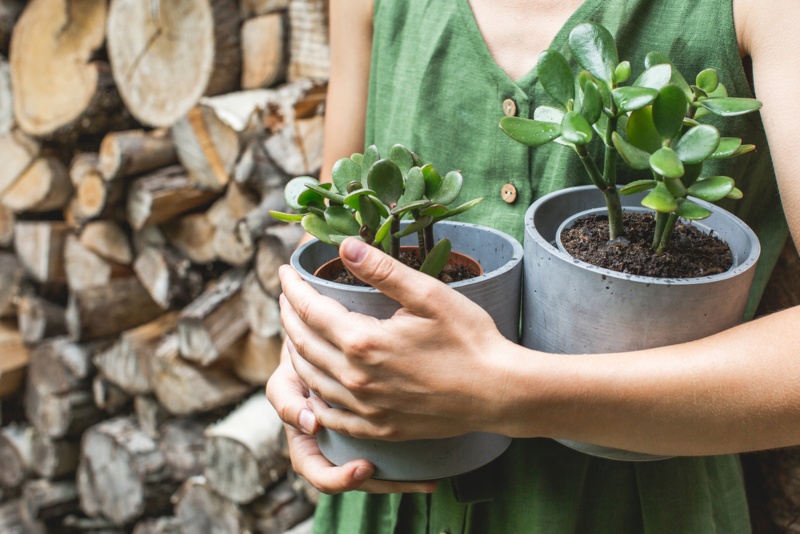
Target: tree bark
{"points": [[256, 8], [168, 276], [14, 359], [7, 221], [16, 454], [6, 94], [60, 415], [280, 509], [159, 525], [310, 53], [109, 397], [182, 444], [86, 270], [10, 280], [193, 235], [256, 358], [224, 215], [274, 250], [201, 510], [250, 228], [264, 50], [39, 319], [10, 520], [166, 56], [46, 500], [260, 309], [54, 458], [134, 152], [150, 415], [40, 248]]}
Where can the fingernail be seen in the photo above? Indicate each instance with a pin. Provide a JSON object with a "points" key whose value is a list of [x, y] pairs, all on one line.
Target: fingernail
{"points": [[363, 472], [353, 250], [308, 421]]}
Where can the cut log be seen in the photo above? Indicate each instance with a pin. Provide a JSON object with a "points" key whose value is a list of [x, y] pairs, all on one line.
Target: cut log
{"points": [[79, 523], [310, 52], [303, 487], [256, 170], [201, 510], [256, 8], [214, 321], [274, 250], [122, 474], [304, 527], [166, 56], [224, 215], [159, 525], [250, 228], [19, 152], [10, 520], [245, 451], [184, 388], [280, 509], [182, 443], [256, 358], [59, 366], [297, 147], [85, 269], [261, 310], [168, 276], [40, 247], [44, 186], [193, 235], [149, 415], [16, 454], [14, 357], [46, 500], [135, 152], [7, 221], [59, 38], [83, 164], [54, 458], [264, 50], [10, 280], [127, 362], [163, 195], [94, 199], [109, 397], [39, 319], [6, 95], [61, 415], [108, 240]]}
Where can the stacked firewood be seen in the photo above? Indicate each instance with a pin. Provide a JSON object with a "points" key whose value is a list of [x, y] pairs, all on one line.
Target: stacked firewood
{"points": [[142, 145]]}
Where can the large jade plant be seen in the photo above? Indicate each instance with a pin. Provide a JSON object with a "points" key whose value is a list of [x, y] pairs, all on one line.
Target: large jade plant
{"points": [[653, 125], [369, 197]]}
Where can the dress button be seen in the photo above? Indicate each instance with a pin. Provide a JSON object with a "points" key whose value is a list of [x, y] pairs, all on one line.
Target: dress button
{"points": [[509, 107], [509, 193]]}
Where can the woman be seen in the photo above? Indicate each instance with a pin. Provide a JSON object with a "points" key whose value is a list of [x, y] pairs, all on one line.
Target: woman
{"points": [[439, 78]]}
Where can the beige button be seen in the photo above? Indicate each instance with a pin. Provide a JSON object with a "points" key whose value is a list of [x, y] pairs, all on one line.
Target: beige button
{"points": [[509, 107], [509, 193]]}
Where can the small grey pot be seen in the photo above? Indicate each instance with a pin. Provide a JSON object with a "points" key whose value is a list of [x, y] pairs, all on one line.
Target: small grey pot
{"points": [[497, 291], [572, 307]]}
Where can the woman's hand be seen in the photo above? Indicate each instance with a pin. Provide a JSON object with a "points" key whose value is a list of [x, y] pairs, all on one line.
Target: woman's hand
{"points": [[426, 372], [289, 396]]}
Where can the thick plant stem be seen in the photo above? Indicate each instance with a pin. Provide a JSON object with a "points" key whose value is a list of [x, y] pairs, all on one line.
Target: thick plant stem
{"points": [[395, 248], [614, 205], [428, 239], [610, 164], [661, 224], [666, 235], [423, 252], [591, 168]]}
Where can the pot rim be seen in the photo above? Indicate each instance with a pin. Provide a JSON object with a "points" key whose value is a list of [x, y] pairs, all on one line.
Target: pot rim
{"points": [[745, 263]]}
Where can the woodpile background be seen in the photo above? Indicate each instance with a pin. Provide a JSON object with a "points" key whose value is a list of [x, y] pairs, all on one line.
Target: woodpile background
{"points": [[142, 143]]}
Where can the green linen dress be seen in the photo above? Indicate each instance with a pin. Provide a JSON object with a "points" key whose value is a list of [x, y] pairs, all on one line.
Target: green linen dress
{"points": [[435, 88]]}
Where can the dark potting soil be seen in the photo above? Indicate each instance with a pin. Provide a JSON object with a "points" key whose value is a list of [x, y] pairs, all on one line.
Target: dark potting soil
{"points": [[450, 273], [691, 254]]}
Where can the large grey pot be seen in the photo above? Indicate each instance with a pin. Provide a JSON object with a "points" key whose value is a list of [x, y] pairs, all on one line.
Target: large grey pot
{"points": [[572, 307], [497, 291]]}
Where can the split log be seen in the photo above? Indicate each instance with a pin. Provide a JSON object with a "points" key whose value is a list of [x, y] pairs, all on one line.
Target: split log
{"points": [[59, 366], [184, 388], [168, 276], [280, 509], [83, 164], [297, 147], [261, 310], [274, 250], [256, 8], [127, 362], [85, 270], [40, 248], [6, 95], [250, 228], [96, 312], [7, 221], [45, 500], [214, 321], [255, 358], [245, 451], [182, 443], [61, 415], [16, 454], [256, 170], [13, 361], [264, 50], [122, 474], [39, 319], [10, 279], [10, 520], [135, 152], [54, 458], [310, 53], [95, 198], [162, 195], [108, 396], [201, 510], [59, 38], [19, 152], [159, 525], [108, 240], [42, 187], [149, 414], [193, 235], [224, 215], [165, 56], [150, 236]]}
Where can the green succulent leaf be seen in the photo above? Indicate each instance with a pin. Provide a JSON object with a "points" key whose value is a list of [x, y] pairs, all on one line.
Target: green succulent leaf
{"points": [[712, 189], [592, 103], [433, 180], [548, 114], [556, 76], [383, 210], [691, 172], [656, 77], [575, 128], [675, 187], [324, 190], [287, 217], [458, 210], [691, 210], [529, 132], [637, 187], [698, 144], [296, 187], [730, 106], [727, 148], [449, 189], [317, 208], [342, 220], [383, 230], [371, 156], [358, 158], [669, 109], [642, 131], [414, 186], [402, 157], [345, 171], [707, 80], [633, 98], [735, 194], [660, 199], [636, 158], [435, 210], [623, 72], [316, 226], [402, 209], [353, 198], [657, 58], [744, 149], [386, 180], [413, 227], [594, 49], [665, 162], [437, 258], [370, 215]]}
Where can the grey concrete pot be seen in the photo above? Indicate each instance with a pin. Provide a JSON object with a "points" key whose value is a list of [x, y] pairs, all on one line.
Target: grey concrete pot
{"points": [[572, 307], [497, 291]]}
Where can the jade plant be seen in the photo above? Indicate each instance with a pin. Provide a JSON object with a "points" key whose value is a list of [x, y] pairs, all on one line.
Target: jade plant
{"points": [[370, 195], [653, 124]]}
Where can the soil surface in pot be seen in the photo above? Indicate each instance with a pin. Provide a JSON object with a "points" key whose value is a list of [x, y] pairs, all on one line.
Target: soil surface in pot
{"points": [[691, 254], [450, 273]]}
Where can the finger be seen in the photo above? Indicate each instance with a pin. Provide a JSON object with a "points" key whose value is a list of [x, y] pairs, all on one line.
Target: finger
{"points": [[347, 422], [288, 395], [322, 384]]}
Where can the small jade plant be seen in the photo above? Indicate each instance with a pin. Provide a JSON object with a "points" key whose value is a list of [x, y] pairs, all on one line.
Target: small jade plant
{"points": [[653, 124], [369, 197]]}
